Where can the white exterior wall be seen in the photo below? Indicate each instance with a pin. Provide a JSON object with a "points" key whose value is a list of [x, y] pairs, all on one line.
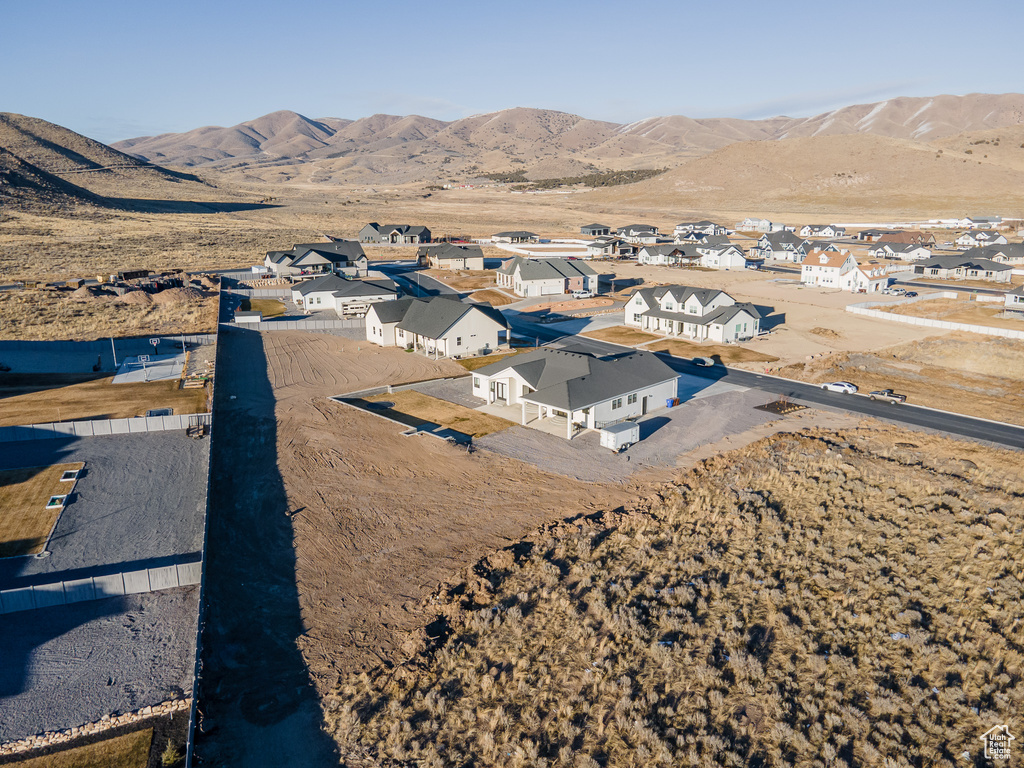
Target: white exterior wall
{"points": [[378, 332], [531, 288], [473, 331], [603, 413], [1014, 301], [728, 259], [742, 326]]}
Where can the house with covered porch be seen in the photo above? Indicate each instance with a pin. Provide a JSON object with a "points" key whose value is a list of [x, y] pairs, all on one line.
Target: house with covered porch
{"points": [[441, 326], [700, 314], [557, 390]]}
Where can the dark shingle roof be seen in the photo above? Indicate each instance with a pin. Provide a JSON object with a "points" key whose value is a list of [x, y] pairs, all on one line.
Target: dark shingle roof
{"points": [[350, 250], [450, 251], [431, 317], [545, 269], [341, 287], [953, 262]]}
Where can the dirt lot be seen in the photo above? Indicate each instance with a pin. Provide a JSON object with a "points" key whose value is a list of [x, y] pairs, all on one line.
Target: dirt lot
{"points": [[27, 398], [415, 408], [463, 279], [572, 305], [493, 297], [730, 354], [976, 375], [269, 307], [620, 334], [25, 523], [956, 311]]}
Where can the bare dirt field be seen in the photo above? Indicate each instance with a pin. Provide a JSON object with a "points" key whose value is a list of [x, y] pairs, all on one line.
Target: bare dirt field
{"points": [[463, 279], [957, 311], [572, 305], [621, 334], [964, 373], [730, 354], [841, 598], [493, 297], [25, 523], [415, 408], [27, 398]]}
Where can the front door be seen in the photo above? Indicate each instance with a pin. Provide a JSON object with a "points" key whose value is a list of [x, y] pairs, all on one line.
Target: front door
{"points": [[643, 406], [500, 390]]}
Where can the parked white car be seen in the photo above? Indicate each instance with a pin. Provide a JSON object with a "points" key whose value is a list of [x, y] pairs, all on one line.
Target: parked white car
{"points": [[582, 295], [843, 387]]}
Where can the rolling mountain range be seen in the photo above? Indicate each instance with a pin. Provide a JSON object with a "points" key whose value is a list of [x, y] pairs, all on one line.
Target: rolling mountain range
{"points": [[285, 146]]}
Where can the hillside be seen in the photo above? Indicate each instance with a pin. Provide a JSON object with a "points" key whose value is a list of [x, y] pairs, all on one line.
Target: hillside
{"points": [[23, 186], [865, 174], [390, 149]]}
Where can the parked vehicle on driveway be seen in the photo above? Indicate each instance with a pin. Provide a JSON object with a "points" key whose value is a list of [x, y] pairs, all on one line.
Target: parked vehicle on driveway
{"points": [[582, 295], [909, 294], [888, 395], [843, 387]]}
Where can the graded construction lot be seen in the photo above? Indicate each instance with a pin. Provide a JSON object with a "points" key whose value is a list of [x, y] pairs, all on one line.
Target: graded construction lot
{"points": [[141, 497], [415, 409], [73, 664], [26, 516]]}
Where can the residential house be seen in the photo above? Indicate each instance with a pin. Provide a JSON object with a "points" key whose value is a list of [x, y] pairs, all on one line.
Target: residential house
{"points": [[726, 256], [1015, 299], [977, 238], [781, 246], [546, 277], [826, 269], [981, 222], [701, 314], [824, 245], [884, 249], [758, 225], [964, 268], [1010, 253], [441, 326], [821, 230], [908, 236], [874, 235], [449, 256], [576, 391], [611, 248], [704, 226], [515, 236], [639, 234], [668, 255], [340, 257], [865, 277], [596, 230], [394, 234], [346, 297]]}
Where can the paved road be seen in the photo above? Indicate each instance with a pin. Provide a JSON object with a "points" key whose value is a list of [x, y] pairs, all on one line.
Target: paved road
{"points": [[810, 394]]}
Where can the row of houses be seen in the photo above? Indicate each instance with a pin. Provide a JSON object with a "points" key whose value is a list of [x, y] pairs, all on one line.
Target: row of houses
{"points": [[546, 277], [838, 269], [699, 314], [713, 253], [339, 257]]}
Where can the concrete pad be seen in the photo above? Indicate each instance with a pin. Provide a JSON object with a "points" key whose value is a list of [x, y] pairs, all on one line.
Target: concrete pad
{"points": [[157, 368], [47, 595], [12, 600], [108, 586], [78, 590], [163, 578], [136, 582], [189, 573], [100, 428], [119, 426], [83, 429]]}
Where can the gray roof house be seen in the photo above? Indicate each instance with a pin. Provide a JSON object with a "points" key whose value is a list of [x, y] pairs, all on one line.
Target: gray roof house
{"points": [[701, 314], [514, 236], [546, 277], [595, 230], [450, 256], [564, 392], [964, 268], [441, 326], [346, 297], [1009, 253], [394, 234], [340, 257]]}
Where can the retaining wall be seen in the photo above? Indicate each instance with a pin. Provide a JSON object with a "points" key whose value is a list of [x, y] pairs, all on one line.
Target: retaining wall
{"points": [[304, 325], [865, 309], [102, 427]]}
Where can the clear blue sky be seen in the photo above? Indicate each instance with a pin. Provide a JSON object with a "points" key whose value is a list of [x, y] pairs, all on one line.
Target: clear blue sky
{"points": [[113, 69]]}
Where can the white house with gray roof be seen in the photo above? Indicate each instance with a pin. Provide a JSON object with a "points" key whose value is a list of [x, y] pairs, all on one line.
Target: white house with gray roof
{"points": [[781, 246], [964, 268], [441, 326], [700, 314], [577, 391], [704, 226], [346, 297], [1015, 299], [340, 257], [546, 277], [394, 234]]}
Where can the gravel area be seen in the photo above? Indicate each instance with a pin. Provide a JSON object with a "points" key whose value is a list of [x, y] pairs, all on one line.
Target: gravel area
{"points": [[73, 664], [140, 497], [458, 391], [664, 435]]}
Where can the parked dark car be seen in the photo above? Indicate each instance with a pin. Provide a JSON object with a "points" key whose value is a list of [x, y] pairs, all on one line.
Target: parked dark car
{"points": [[910, 294]]}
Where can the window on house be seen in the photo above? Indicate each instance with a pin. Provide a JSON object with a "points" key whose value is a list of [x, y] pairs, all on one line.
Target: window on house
{"points": [[476, 382], [616, 403], [458, 341], [631, 399], [636, 318]]}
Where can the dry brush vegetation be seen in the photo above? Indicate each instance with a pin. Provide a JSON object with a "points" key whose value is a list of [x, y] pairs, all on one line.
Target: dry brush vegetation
{"points": [[819, 598]]}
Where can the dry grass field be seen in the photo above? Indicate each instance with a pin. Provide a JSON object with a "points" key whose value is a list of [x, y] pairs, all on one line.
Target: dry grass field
{"points": [[960, 372], [128, 751], [269, 307], [957, 311], [25, 523], [465, 279], [415, 408], [493, 297], [41, 398], [620, 334], [724, 353], [819, 598], [472, 363], [52, 315]]}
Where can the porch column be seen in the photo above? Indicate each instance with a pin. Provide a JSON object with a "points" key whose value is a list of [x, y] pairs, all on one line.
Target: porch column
{"points": [[568, 425], [523, 419]]}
